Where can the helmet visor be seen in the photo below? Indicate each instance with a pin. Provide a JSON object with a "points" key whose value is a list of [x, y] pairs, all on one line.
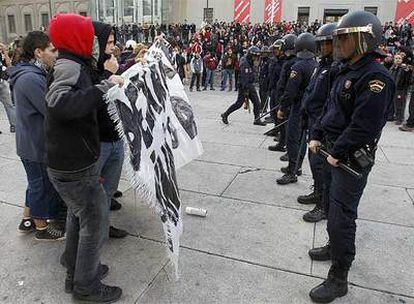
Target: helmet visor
{"points": [[346, 46]]}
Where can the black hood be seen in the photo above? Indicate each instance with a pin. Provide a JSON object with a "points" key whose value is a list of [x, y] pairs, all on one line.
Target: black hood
{"points": [[102, 32]]}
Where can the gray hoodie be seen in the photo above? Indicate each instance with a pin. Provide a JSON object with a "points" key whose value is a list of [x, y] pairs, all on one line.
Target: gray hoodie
{"points": [[28, 84]]}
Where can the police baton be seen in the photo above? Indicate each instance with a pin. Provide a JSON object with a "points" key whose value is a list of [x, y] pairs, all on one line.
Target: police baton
{"points": [[276, 128], [267, 113], [343, 166]]}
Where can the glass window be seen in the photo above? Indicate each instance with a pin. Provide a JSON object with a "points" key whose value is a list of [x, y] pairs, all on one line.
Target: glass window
{"points": [[371, 9], [28, 22], [156, 7], [146, 7], [303, 14], [333, 15], [84, 14], [12, 23], [128, 7], [45, 19]]}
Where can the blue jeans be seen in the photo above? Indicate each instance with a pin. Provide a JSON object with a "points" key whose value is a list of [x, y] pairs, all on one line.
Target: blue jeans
{"points": [[110, 166], [209, 79], [41, 197], [5, 98], [86, 225], [226, 74]]}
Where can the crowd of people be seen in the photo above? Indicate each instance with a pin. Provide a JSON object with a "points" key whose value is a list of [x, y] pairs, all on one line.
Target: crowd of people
{"points": [[52, 87]]}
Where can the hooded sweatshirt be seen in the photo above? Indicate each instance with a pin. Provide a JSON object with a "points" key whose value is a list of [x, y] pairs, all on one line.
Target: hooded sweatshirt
{"points": [[107, 130], [29, 89], [72, 100]]}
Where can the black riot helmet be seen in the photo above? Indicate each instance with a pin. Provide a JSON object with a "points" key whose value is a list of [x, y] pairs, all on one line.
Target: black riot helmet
{"points": [[253, 55], [265, 52], [324, 38], [305, 46], [325, 32], [365, 29], [289, 42]]}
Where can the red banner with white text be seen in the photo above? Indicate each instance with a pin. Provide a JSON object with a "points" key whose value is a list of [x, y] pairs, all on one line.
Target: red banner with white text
{"points": [[241, 11], [273, 11], [405, 10]]}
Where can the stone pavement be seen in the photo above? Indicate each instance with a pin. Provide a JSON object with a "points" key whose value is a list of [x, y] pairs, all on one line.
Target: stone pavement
{"points": [[251, 248]]}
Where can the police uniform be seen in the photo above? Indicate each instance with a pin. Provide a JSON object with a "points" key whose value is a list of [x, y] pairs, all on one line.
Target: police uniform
{"points": [[246, 89], [273, 76], [264, 82], [299, 78], [313, 102]]}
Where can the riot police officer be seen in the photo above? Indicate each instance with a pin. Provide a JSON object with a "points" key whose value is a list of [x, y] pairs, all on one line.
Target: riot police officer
{"points": [[274, 70], [312, 104], [288, 58], [263, 80], [246, 86], [299, 78], [349, 128]]}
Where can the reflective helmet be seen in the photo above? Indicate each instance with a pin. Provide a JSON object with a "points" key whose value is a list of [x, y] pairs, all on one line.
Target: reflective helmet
{"points": [[253, 51], [325, 32], [364, 27], [305, 46], [289, 42]]}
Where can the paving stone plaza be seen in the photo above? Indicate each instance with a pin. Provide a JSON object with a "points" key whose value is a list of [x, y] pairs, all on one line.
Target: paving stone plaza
{"points": [[252, 246]]}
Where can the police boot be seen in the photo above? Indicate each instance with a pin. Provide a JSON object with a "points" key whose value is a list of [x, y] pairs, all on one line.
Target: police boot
{"points": [[284, 157], [224, 119], [321, 253], [335, 286], [258, 122], [277, 148], [317, 214], [287, 170], [288, 178], [313, 198]]}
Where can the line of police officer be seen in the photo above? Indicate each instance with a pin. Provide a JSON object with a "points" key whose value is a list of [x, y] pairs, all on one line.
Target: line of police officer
{"points": [[341, 107]]}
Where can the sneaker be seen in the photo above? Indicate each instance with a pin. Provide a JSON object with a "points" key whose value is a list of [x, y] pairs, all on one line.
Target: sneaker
{"points": [[115, 205], [103, 294], [116, 233], [103, 273], [50, 233], [212, 89], [118, 194], [27, 225], [204, 89], [406, 128]]}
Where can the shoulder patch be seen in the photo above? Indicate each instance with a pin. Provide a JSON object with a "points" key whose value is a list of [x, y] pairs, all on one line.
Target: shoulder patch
{"points": [[376, 86], [293, 74]]}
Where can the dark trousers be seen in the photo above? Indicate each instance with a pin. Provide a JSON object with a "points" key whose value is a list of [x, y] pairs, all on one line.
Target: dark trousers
{"points": [[410, 120], [236, 79], [293, 138], [316, 162], [342, 193], [400, 101], [194, 77], [252, 95], [263, 93], [86, 226]]}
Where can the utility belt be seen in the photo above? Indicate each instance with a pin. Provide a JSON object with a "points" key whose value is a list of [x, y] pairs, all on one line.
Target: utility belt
{"points": [[361, 158]]}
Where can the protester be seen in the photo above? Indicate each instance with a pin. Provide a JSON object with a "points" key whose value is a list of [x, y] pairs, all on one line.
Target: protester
{"points": [[5, 98], [28, 80], [112, 147], [210, 63], [196, 66], [73, 152]]}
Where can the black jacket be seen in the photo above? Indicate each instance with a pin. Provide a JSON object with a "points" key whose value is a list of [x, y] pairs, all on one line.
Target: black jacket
{"points": [[71, 126], [107, 130]]}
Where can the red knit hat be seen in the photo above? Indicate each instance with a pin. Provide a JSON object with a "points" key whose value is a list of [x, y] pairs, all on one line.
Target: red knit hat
{"points": [[72, 33]]}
